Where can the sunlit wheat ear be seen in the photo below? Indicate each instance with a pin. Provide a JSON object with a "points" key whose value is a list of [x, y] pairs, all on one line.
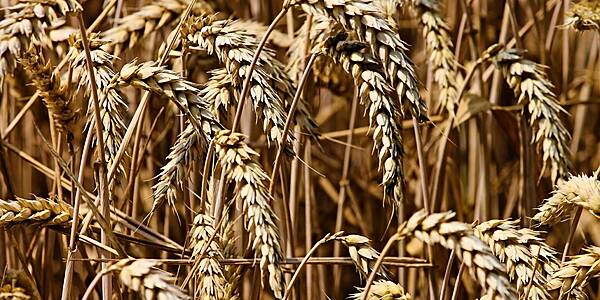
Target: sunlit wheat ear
{"points": [[145, 278], [59, 105], [367, 22], [113, 107], [24, 24], [583, 16], [362, 254], [383, 289], [541, 108], [210, 277], [580, 190], [379, 100], [149, 19], [239, 162], [37, 211], [473, 252], [17, 285], [575, 274], [519, 248]]}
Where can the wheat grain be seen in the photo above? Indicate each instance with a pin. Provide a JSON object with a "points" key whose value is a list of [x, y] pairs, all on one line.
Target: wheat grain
{"points": [[583, 16], [13, 292], [238, 161], [210, 273], [383, 289], [580, 190], [362, 254], [144, 277], [59, 105], [37, 211], [379, 100], [541, 108], [474, 253], [366, 21], [575, 274], [519, 249]]}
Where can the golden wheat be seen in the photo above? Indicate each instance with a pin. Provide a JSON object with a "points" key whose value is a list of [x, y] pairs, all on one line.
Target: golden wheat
{"points": [[362, 254], [210, 273], [37, 211], [575, 274], [384, 289], [584, 15]]}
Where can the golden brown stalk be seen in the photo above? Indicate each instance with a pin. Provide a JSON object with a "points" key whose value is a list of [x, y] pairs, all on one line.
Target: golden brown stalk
{"points": [[144, 277], [383, 289], [541, 108], [239, 162], [379, 100], [519, 248], [580, 190], [37, 211], [61, 107], [362, 254], [474, 253], [366, 21], [583, 16], [209, 275], [575, 274]]}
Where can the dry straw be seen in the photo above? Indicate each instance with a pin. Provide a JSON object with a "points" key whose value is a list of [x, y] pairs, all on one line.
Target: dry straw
{"points": [[540, 107], [474, 253], [239, 162], [384, 289], [583, 16], [380, 101], [37, 211], [580, 190], [575, 275], [521, 249]]}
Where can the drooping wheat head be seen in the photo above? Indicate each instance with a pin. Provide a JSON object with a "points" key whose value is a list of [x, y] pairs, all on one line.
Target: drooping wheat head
{"points": [[519, 248], [366, 21], [575, 274], [362, 254], [37, 211], [580, 190], [541, 109], [379, 100], [144, 277], [239, 162], [473, 252], [584, 15], [384, 289]]}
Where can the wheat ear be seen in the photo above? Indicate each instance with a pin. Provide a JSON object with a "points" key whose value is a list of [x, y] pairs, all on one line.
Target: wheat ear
{"points": [[583, 16], [239, 162], [362, 254], [37, 211], [580, 190], [210, 273], [379, 100], [366, 21], [383, 289], [519, 248], [575, 274], [474, 253], [534, 90]]}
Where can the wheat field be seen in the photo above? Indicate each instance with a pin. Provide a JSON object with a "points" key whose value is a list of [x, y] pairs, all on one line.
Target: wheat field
{"points": [[299, 149]]}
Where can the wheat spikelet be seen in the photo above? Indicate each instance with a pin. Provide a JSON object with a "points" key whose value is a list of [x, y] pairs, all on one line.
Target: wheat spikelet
{"points": [[144, 277], [534, 90], [362, 254], [113, 107], [59, 105], [583, 16], [38, 211], [474, 253], [384, 289], [366, 21], [379, 100], [575, 274], [150, 18], [239, 162], [210, 274], [13, 292], [519, 249], [580, 190], [25, 24]]}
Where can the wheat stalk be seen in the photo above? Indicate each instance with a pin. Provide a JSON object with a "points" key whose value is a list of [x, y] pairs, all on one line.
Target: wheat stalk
{"points": [[475, 254], [519, 249], [362, 254], [541, 108], [366, 21], [383, 289], [575, 274], [580, 190], [210, 273], [37, 211], [583, 16], [380, 104], [59, 105], [239, 162]]}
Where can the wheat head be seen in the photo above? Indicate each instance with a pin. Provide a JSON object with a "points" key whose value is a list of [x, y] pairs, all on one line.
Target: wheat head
{"points": [[37, 211], [362, 254], [210, 273], [239, 162], [575, 274], [384, 289], [584, 15], [473, 252]]}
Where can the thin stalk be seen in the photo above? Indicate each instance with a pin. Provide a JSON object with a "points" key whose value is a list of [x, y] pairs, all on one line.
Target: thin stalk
{"points": [[447, 275], [574, 224], [379, 262], [457, 282]]}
